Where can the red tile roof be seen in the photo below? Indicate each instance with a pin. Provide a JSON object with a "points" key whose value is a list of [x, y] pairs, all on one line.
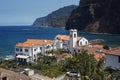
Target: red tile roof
{"points": [[97, 50], [65, 37], [33, 42], [114, 51]]}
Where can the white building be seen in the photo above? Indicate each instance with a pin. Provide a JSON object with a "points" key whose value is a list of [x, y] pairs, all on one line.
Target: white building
{"points": [[28, 51], [68, 42], [113, 58]]}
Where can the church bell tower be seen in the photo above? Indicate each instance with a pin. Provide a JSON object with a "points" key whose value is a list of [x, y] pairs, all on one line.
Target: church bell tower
{"points": [[73, 39]]}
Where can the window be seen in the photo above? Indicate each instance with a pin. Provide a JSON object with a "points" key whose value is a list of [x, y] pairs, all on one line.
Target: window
{"points": [[80, 43], [34, 49], [4, 78], [78, 50], [119, 59], [57, 38], [47, 47], [86, 42], [52, 45], [21, 60], [77, 42], [68, 42], [20, 49], [17, 49], [26, 50], [40, 48], [18, 59], [71, 35], [24, 60], [74, 35]]}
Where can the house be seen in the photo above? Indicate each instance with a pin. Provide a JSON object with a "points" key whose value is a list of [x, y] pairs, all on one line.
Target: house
{"points": [[113, 58], [29, 50], [11, 75], [68, 42], [96, 50], [28, 72]]}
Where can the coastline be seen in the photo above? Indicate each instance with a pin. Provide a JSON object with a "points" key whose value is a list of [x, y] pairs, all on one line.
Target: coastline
{"points": [[78, 31], [11, 35]]}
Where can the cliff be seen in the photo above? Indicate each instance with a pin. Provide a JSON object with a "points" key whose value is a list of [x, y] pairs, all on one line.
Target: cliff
{"points": [[99, 16], [57, 18]]}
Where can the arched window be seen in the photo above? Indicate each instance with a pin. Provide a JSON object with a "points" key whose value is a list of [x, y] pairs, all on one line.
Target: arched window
{"points": [[80, 43], [86, 42], [75, 36]]}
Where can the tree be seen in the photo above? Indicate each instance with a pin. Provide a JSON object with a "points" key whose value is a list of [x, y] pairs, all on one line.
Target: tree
{"points": [[106, 47], [87, 66], [82, 62]]}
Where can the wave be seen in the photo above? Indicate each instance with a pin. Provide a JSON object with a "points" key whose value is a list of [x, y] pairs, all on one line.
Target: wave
{"points": [[9, 57], [29, 29]]}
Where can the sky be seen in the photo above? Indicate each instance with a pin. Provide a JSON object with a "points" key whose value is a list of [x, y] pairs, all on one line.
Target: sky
{"points": [[24, 12]]}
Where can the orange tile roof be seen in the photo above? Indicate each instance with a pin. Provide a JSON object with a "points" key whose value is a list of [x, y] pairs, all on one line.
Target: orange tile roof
{"points": [[65, 37], [114, 51], [98, 46], [93, 50], [33, 42]]}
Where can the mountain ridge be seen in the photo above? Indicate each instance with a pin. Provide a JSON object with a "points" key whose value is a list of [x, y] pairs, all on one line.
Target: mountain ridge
{"points": [[57, 18], [98, 16]]}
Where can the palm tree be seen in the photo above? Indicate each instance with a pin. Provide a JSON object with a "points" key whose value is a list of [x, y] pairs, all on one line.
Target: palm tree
{"points": [[88, 67]]}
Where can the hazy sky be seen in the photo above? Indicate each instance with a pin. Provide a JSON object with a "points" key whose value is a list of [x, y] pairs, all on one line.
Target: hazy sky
{"points": [[24, 12]]}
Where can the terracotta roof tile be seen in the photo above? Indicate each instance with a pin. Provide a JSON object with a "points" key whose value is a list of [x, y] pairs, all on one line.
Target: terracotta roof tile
{"points": [[65, 37], [33, 42], [97, 50], [114, 51]]}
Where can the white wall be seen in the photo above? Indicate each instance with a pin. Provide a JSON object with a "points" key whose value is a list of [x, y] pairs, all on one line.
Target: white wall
{"points": [[59, 45], [73, 39], [23, 51], [112, 61], [66, 44], [84, 42], [77, 51]]}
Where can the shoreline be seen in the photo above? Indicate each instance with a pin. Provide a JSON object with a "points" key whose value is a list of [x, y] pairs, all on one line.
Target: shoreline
{"points": [[78, 31], [13, 35]]}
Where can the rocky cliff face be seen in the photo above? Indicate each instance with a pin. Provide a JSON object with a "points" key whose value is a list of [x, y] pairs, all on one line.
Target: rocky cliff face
{"points": [[57, 18], [102, 16]]}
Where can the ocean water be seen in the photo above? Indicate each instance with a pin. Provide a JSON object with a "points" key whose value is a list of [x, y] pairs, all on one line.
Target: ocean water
{"points": [[11, 35]]}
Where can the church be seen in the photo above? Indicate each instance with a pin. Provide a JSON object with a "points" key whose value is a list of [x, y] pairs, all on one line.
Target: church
{"points": [[29, 50], [69, 42]]}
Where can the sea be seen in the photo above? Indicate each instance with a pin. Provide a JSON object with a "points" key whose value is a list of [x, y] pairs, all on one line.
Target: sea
{"points": [[11, 35]]}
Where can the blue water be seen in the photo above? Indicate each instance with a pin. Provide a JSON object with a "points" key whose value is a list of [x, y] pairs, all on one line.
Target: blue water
{"points": [[10, 35]]}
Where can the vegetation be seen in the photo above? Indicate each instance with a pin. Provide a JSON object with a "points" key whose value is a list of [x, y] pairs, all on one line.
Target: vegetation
{"points": [[59, 51], [90, 16], [106, 47], [84, 63], [6, 64], [54, 71]]}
